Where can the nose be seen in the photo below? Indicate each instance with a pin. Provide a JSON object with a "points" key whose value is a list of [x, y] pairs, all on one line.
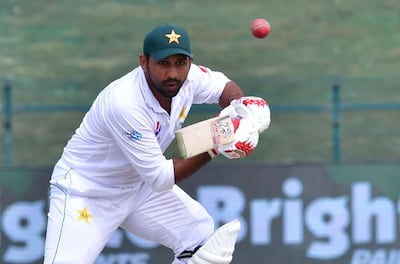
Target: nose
{"points": [[172, 72]]}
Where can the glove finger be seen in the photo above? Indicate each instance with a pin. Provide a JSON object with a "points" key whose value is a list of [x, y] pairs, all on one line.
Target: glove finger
{"points": [[229, 111], [241, 109]]}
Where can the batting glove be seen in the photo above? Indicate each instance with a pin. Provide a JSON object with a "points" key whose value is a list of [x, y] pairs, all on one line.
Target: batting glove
{"points": [[257, 108], [245, 129], [246, 139]]}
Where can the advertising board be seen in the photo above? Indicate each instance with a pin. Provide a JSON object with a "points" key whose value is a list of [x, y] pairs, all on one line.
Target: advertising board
{"points": [[334, 214]]}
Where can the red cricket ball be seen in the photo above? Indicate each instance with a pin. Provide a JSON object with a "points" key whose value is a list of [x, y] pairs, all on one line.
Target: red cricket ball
{"points": [[260, 28]]}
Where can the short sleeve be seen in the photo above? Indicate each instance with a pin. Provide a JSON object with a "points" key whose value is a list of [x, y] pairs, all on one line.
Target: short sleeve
{"points": [[208, 84]]}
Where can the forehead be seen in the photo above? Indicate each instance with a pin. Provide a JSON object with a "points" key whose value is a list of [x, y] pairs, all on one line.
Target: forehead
{"points": [[175, 57]]}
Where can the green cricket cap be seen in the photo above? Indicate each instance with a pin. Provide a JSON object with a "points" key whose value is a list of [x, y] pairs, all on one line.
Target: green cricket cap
{"points": [[166, 40]]}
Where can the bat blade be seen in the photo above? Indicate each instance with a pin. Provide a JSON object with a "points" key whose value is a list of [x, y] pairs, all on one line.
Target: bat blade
{"points": [[204, 136]]}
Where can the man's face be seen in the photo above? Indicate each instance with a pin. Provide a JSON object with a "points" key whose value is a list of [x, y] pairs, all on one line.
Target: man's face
{"points": [[166, 76]]}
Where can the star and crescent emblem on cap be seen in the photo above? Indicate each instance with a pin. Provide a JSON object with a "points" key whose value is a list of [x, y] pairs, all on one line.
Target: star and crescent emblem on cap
{"points": [[173, 37]]}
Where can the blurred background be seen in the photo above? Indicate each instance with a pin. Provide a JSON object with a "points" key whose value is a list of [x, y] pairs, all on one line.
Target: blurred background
{"points": [[57, 55], [329, 70]]}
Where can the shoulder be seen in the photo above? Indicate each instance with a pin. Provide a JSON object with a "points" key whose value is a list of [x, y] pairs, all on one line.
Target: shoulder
{"points": [[198, 71], [124, 94], [132, 78]]}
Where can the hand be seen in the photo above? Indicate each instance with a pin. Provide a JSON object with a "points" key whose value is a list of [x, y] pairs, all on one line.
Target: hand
{"points": [[251, 116], [246, 139], [256, 107], [235, 110]]}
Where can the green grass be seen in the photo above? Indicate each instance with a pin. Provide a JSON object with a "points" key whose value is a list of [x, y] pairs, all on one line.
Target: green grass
{"points": [[65, 52]]}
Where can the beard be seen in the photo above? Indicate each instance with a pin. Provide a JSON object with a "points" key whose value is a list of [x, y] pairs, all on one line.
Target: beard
{"points": [[168, 88]]}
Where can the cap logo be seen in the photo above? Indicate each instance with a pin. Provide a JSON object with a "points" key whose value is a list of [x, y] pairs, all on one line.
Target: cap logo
{"points": [[173, 37]]}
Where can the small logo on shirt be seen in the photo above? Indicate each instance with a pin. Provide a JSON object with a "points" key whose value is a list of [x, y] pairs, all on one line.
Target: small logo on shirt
{"points": [[158, 128], [133, 134], [182, 114]]}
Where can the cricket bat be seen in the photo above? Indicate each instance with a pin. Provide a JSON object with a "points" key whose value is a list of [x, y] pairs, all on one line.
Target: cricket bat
{"points": [[204, 136]]}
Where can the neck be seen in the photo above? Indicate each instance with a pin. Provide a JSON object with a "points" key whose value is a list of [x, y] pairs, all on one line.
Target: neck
{"points": [[165, 102]]}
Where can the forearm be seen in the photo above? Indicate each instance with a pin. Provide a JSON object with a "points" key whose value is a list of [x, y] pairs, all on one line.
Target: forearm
{"points": [[231, 91], [184, 168]]}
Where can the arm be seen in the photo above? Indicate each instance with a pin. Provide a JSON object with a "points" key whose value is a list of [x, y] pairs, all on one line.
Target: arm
{"points": [[184, 168], [231, 91]]}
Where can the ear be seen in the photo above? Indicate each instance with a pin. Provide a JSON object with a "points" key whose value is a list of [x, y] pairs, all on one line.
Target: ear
{"points": [[143, 62]]}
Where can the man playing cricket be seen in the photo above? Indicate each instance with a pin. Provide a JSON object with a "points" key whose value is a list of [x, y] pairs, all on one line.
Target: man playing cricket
{"points": [[112, 172]]}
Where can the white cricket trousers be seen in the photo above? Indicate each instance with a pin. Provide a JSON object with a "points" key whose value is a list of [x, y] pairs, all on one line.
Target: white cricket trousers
{"points": [[80, 225]]}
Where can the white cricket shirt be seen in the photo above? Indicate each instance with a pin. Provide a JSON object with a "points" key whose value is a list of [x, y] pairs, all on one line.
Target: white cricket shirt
{"points": [[122, 137]]}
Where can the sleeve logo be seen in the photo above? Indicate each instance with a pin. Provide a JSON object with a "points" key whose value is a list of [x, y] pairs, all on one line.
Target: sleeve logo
{"points": [[133, 135]]}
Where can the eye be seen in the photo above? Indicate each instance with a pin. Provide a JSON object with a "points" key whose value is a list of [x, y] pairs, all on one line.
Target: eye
{"points": [[181, 62], [163, 62]]}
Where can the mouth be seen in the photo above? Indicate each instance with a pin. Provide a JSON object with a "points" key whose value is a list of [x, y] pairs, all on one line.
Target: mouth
{"points": [[172, 85]]}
